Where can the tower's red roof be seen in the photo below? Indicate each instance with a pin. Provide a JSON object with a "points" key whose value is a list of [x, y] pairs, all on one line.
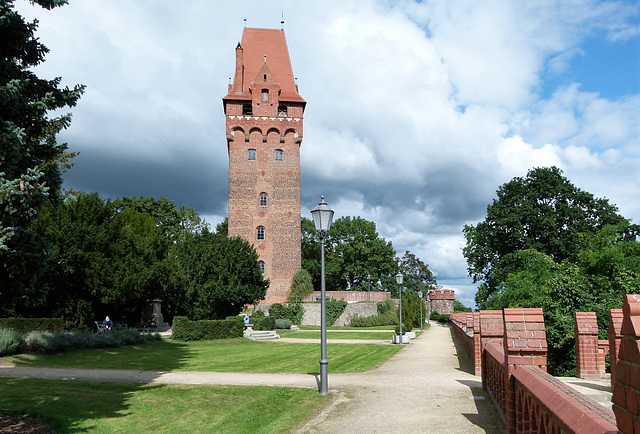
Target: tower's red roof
{"points": [[256, 43]]}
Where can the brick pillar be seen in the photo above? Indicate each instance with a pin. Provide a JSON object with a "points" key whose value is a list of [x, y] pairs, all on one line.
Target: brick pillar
{"points": [[626, 391], [615, 337], [587, 351], [491, 330], [477, 345], [525, 344]]}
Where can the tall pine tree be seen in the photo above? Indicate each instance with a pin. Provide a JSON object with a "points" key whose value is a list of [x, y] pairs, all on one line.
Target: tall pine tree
{"points": [[31, 160]]}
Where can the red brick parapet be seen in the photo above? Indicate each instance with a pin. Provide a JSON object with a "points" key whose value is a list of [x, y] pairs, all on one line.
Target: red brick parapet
{"points": [[545, 404], [525, 344], [626, 391], [615, 337], [589, 353]]}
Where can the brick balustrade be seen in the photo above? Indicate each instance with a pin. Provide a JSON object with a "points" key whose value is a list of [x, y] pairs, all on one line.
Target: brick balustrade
{"points": [[626, 391], [545, 404], [512, 357]]}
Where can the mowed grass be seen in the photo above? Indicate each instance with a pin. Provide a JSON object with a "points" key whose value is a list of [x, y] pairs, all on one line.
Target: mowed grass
{"points": [[74, 406], [227, 355], [315, 334]]}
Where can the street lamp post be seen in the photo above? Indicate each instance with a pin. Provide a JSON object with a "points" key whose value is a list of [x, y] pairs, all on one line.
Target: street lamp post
{"points": [[399, 281], [322, 217], [421, 301]]}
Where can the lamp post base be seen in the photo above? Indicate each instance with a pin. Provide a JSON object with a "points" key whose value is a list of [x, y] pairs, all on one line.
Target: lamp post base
{"points": [[324, 387]]}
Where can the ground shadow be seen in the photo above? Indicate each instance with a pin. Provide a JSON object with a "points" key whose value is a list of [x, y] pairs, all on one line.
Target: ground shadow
{"points": [[487, 416], [463, 360], [65, 404]]}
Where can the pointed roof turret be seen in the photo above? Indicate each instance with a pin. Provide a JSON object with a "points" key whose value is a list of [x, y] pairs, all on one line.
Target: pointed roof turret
{"points": [[260, 47]]}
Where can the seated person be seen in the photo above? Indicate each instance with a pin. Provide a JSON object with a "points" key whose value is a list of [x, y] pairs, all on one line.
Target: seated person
{"points": [[107, 323]]}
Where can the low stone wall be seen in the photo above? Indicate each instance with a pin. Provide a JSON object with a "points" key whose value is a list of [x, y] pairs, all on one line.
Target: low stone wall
{"points": [[312, 313], [350, 296]]}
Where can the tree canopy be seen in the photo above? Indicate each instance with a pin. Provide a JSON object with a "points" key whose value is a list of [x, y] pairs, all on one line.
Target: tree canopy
{"points": [[31, 161], [356, 254], [543, 212], [547, 244], [111, 257]]}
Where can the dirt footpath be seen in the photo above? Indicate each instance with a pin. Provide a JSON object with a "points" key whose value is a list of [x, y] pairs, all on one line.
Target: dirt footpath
{"points": [[422, 389]]}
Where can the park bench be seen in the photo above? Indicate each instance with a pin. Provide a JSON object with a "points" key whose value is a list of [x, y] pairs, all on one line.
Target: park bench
{"points": [[101, 327], [116, 325]]}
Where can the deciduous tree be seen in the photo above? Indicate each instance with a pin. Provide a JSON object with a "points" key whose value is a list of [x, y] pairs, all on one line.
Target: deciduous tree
{"points": [[542, 211]]}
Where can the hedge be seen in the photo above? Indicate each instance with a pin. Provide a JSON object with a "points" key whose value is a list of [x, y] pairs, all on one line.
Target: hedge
{"points": [[186, 330], [292, 311], [26, 325]]}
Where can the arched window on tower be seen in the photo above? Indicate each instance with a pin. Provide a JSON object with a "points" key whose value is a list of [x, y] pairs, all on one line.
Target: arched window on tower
{"points": [[279, 154], [263, 199], [261, 265], [265, 95], [260, 233]]}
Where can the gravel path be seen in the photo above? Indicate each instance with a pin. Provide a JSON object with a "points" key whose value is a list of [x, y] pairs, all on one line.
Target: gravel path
{"points": [[422, 389]]}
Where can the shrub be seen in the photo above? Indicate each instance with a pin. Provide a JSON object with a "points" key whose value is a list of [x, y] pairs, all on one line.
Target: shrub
{"points": [[282, 324], [301, 286], [335, 308], [266, 323], [26, 325], [11, 342], [256, 316], [434, 315], [385, 306], [187, 330], [443, 318], [293, 312], [407, 326], [386, 319]]}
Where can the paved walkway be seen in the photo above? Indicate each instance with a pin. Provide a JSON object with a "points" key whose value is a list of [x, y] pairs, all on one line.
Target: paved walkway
{"points": [[422, 389]]}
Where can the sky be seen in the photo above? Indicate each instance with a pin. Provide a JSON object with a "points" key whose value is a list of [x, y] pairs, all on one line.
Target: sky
{"points": [[417, 111]]}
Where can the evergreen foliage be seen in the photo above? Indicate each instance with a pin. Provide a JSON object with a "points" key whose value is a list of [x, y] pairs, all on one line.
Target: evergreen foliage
{"points": [[31, 159], [186, 330]]}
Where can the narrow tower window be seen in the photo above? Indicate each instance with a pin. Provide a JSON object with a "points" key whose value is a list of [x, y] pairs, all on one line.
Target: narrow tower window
{"points": [[252, 154], [261, 265], [263, 199], [260, 233], [279, 154], [265, 95]]}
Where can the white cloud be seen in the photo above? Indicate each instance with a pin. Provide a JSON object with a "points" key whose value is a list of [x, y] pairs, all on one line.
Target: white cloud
{"points": [[417, 111]]}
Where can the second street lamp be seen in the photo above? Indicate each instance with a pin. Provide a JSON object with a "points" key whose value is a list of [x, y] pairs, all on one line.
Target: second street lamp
{"points": [[399, 280], [322, 217]]}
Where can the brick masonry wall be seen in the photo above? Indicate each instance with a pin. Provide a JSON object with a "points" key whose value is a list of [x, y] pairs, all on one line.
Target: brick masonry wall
{"points": [[626, 391], [589, 355], [615, 337]]}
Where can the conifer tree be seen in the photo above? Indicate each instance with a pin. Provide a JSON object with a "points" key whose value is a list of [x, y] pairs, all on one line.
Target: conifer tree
{"points": [[31, 161]]}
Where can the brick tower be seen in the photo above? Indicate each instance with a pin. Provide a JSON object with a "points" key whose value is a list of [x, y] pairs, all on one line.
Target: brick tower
{"points": [[264, 112]]}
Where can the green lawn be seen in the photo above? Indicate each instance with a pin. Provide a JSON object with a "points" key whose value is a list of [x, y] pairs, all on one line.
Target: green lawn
{"points": [[74, 406], [228, 355], [373, 335]]}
